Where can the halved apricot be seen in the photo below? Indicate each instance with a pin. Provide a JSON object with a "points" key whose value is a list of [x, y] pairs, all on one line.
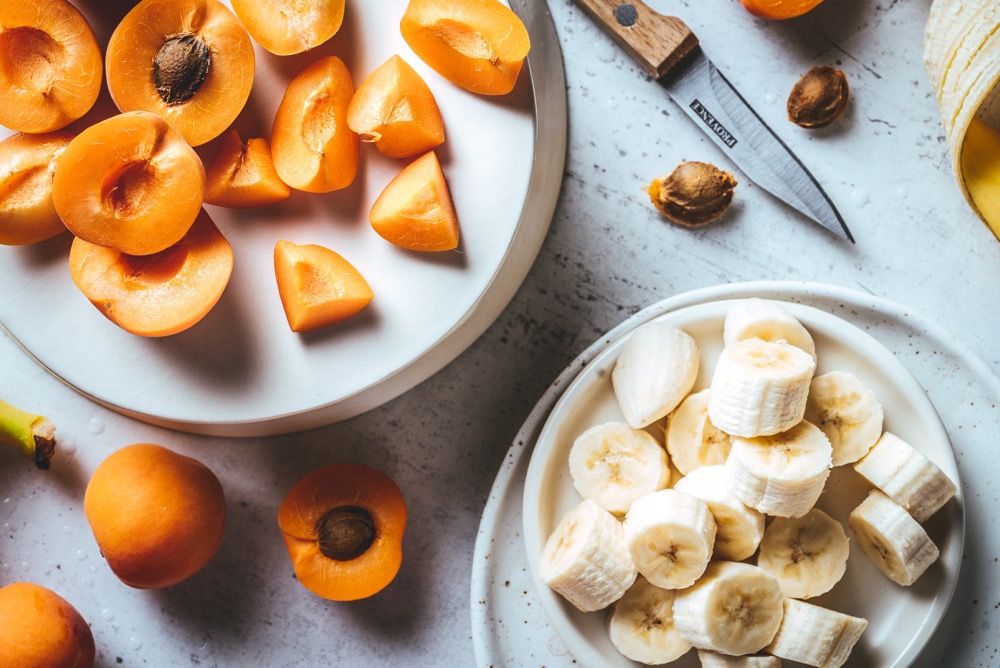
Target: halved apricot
{"points": [[396, 111], [478, 45], [156, 295], [241, 174], [27, 163], [314, 150], [189, 61], [343, 527], [318, 287], [131, 183], [415, 211], [50, 65], [285, 28]]}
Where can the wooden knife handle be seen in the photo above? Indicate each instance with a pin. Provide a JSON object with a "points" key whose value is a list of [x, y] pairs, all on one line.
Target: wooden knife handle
{"points": [[655, 41]]}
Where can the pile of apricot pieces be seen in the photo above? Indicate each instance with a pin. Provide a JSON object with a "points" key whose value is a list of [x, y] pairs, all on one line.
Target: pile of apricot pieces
{"points": [[131, 188]]}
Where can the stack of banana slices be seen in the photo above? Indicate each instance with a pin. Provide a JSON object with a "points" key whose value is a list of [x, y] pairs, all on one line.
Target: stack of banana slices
{"points": [[714, 542]]}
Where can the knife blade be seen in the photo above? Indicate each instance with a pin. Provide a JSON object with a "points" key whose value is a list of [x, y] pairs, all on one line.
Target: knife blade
{"points": [[669, 51]]}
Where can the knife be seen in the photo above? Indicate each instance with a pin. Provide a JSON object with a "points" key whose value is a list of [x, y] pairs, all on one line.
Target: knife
{"points": [[667, 49]]}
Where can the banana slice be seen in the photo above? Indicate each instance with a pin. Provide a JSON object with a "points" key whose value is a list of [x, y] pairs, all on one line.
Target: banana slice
{"points": [[692, 439], [760, 319], [739, 529], [586, 560], [781, 475], [613, 465], [655, 371], [847, 412], [906, 476], [892, 539], [807, 555], [670, 537], [816, 636], [760, 388], [733, 609], [713, 660], [642, 625]]}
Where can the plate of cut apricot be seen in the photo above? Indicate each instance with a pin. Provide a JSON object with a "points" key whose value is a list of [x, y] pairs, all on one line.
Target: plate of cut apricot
{"points": [[250, 218]]}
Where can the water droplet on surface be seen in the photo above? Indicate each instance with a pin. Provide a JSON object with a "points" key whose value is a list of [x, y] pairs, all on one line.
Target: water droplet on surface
{"points": [[96, 426], [770, 98], [134, 643], [612, 103], [81, 555], [107, 615], [902, 192], [7, 500], [6, 567], [204, 649], [67, 445], [93, 569], [860, 198]]}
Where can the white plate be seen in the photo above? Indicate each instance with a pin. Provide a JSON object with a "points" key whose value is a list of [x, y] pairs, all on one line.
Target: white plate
{"points": [[902, 620], [241, 372]]}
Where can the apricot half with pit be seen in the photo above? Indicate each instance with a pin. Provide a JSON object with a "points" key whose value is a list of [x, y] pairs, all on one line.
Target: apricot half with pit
{"points": [[50, 65], [27, 163], [241, 174], [189, 61], [318, 287], [40, 629], [415, 210], [285, 28]]}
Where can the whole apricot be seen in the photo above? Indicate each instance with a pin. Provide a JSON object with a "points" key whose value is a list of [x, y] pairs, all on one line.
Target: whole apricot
{"points": [[157, 515], [39, 629]]}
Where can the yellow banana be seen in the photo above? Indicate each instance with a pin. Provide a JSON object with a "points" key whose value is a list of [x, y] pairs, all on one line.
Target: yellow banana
{"points": [[34, 436]]}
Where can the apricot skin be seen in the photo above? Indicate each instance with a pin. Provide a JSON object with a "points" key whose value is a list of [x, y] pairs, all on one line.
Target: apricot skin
{"points": [[27, 164], [285, 28], [780, 9], [241, 174], [157, 515], [39, 629]]}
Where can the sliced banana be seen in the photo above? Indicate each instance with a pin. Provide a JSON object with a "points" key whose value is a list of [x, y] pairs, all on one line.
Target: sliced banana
{"points": [[739, 528], [906, 476], [670, 536], [655, 371], [642, 625], [781, 475], [733, 609], [692, 439], [760, 319], [613, 465], [586, 559], [848, 412], [807, 555], [713, 660], [816, 636], [892, 539], [760, 387]]}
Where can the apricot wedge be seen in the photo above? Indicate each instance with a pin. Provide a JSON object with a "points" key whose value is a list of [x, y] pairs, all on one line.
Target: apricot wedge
{"points": [[396, 111], [241, 174], [189, 61], [780, 9], [313, 148], [415, 211], [50, 65], [131, 183], [478, 45], [156, 295], [27, 163], [285, 28], [318, 287]]}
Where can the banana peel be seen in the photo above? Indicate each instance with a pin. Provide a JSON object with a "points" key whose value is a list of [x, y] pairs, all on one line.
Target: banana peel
{"points": [[34, 436]]}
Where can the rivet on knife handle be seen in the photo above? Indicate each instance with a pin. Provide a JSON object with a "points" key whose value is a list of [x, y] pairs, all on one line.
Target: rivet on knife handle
{"points": [[655, 41]]}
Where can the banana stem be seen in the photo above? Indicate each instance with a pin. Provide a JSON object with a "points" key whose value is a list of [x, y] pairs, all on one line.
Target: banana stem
{"points": [[34, 436]]}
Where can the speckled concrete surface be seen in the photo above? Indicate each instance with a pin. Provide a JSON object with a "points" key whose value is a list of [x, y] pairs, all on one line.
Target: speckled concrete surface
{"points": [[608, 254]]}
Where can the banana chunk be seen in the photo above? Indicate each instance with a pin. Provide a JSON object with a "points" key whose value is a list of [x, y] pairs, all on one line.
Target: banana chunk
{"points": [[613, 465], [760, 319], [848, 412], [906, 476], [657, 368], [642, 625], [807, 555], [892, 539], [816, 636], [733, 609], [692, 439], [781, 475], [586, 560], [739, 528], [713, 660], [670, 536], [34, 436], [760, 388]]}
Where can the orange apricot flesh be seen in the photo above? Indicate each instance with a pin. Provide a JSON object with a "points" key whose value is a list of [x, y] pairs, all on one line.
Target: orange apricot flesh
{"points": [[40, 629], [241, 174], [189, 61], [478, 45], [415, 210], [313, 148], [317, 286], [50, 65], [156, 295], [27, 163], [343, 527], [285, 28], [780, 9], [396, 111], [130, 183]]}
